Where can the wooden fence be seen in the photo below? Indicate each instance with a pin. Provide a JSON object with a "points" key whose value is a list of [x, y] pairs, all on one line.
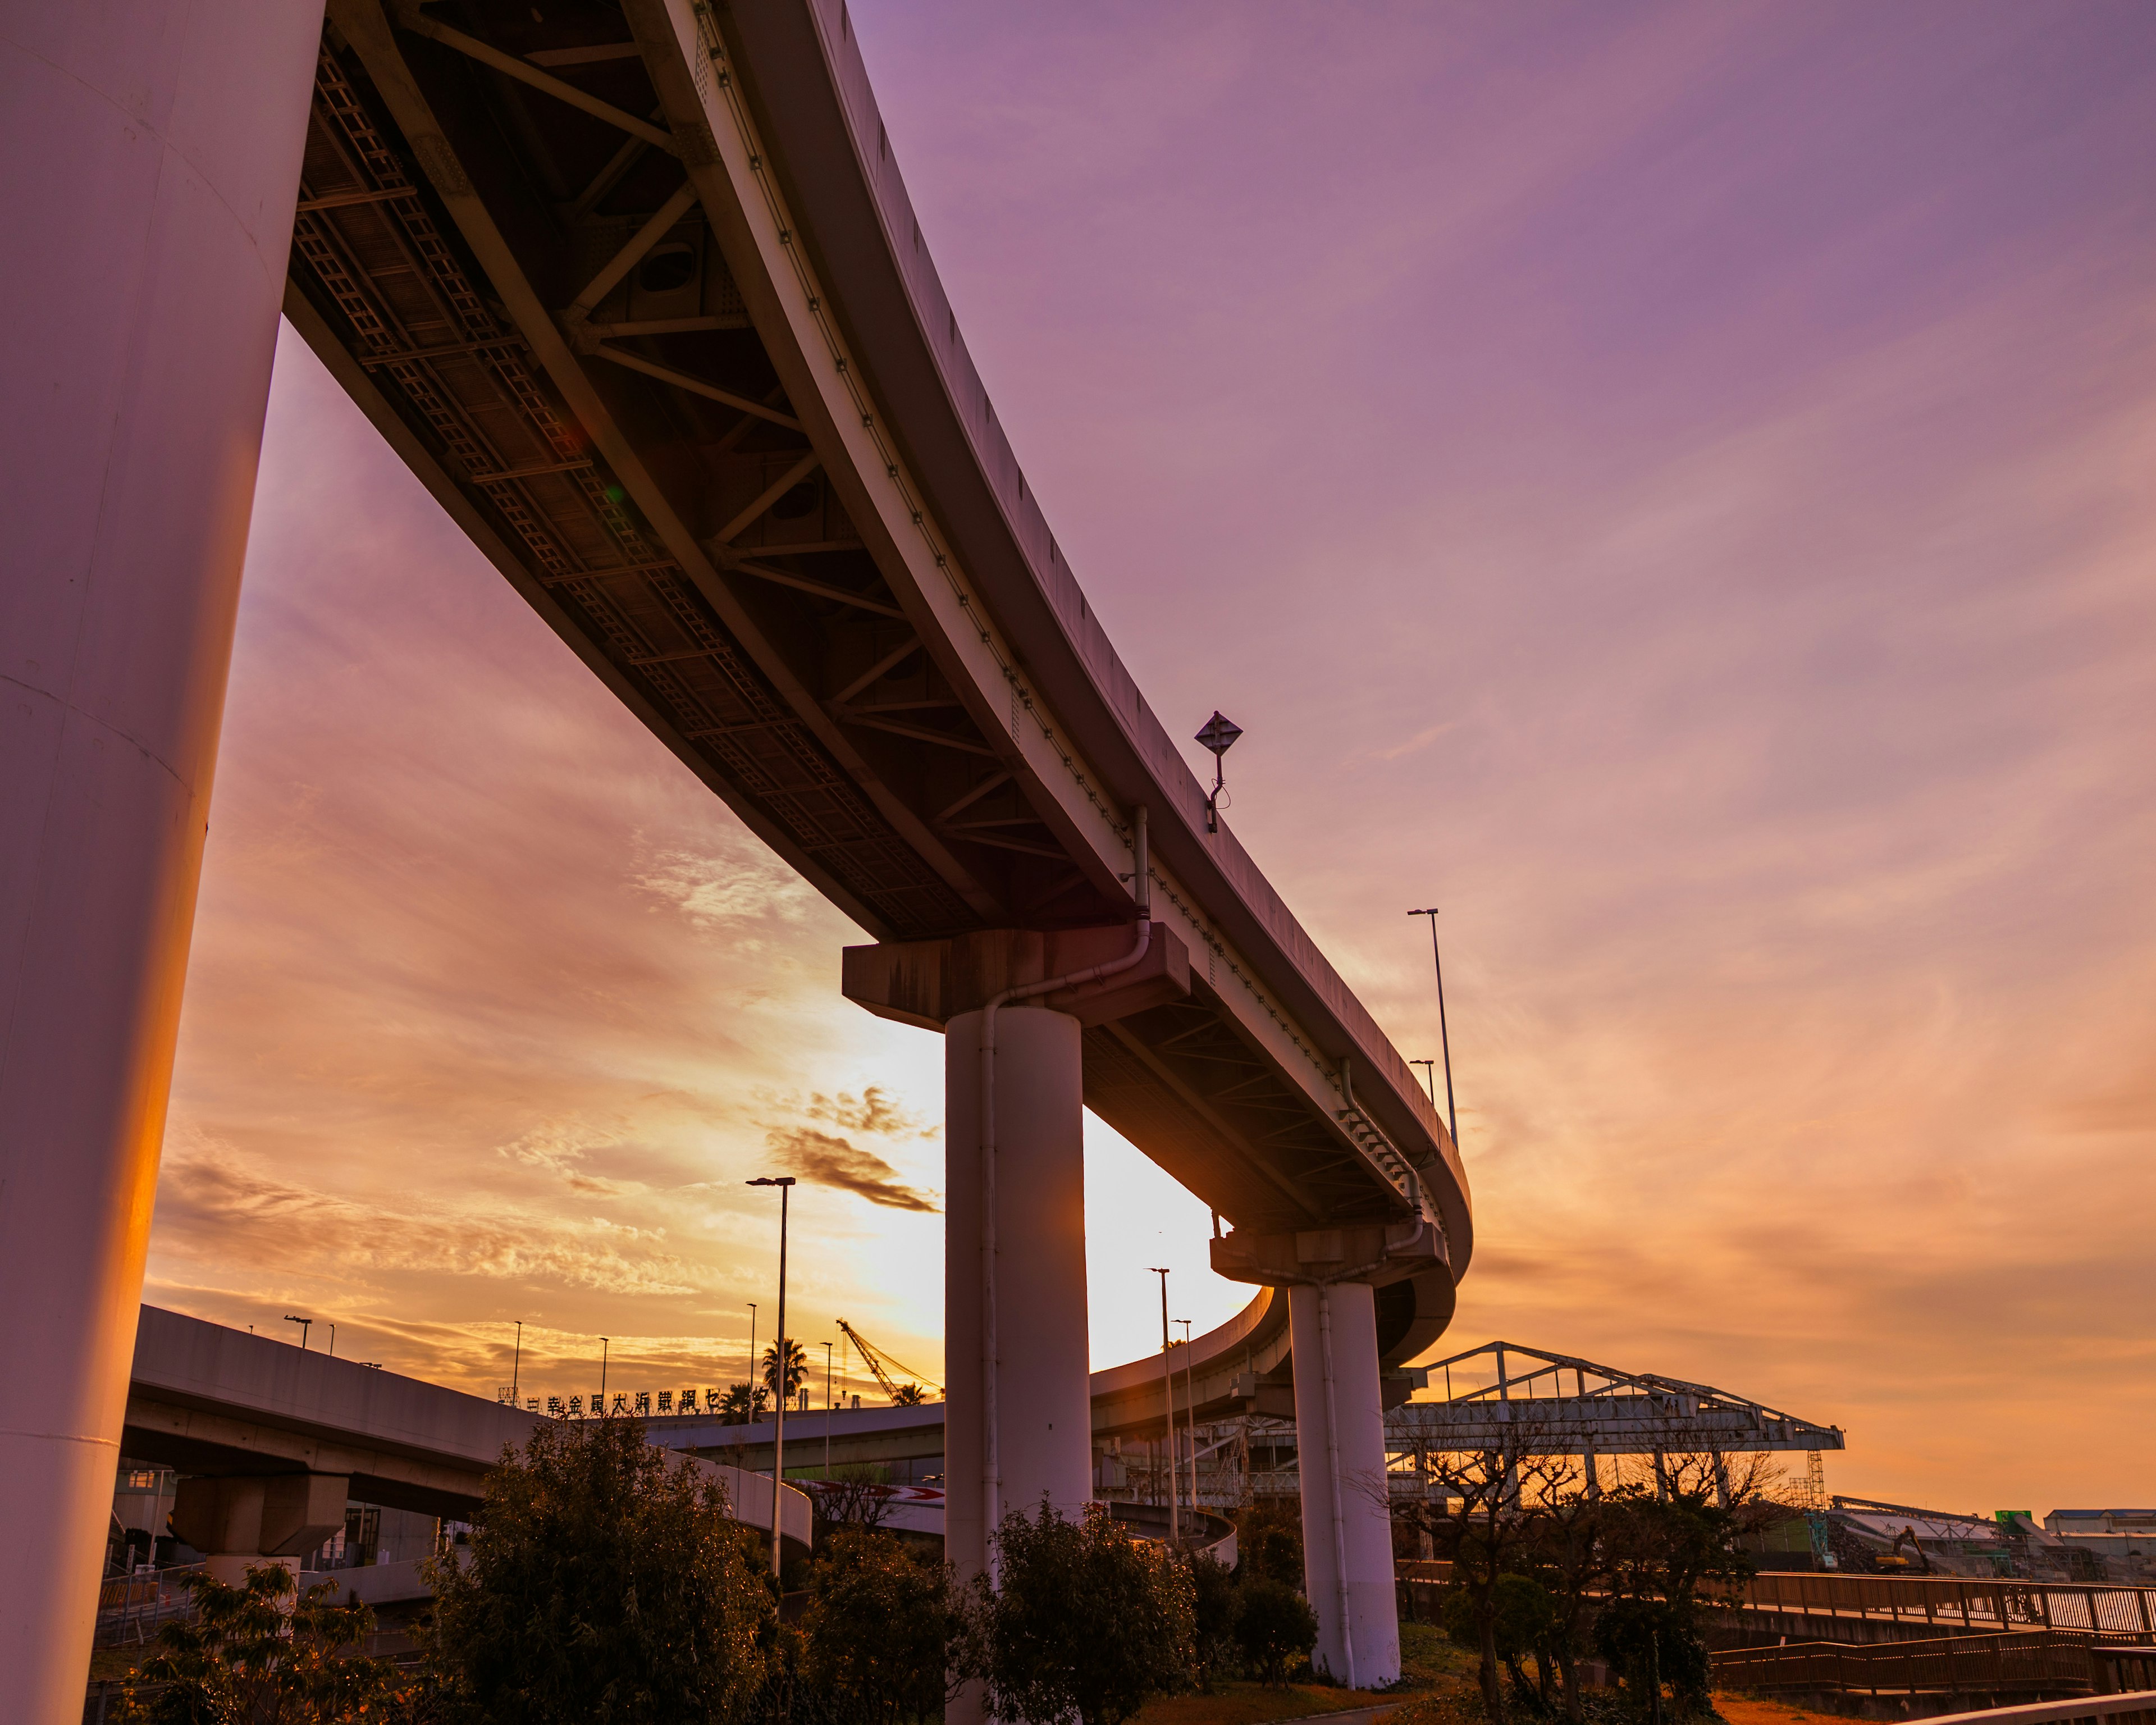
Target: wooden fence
{"points": [[2118, 1615], [2032, 1662]]}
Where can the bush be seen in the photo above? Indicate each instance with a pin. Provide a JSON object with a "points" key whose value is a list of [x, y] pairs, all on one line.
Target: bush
{"points": [[1270, 1541], [606, 1582], [1274, 1627], [1525, 1619], [1648, 1643], [881, 1630], [1213, 1600], [1084, 1620], [252, 1653]]}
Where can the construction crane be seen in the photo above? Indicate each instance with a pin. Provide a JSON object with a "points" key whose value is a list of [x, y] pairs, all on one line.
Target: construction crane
{"points": [[883, 1366]]}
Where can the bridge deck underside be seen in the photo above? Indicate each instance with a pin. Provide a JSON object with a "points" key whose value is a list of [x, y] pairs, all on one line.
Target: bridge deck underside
{"points": [[662, 501]]}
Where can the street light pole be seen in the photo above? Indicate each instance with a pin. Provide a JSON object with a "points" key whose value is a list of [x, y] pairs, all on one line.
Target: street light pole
{"points": [[1167, 1392], [751, 1362], [1429, 1077], [1190, 1417], [827, 1410], [604, 1344], [304, 1324], [1445, 1038], [784, 1182], [515, 1364]]}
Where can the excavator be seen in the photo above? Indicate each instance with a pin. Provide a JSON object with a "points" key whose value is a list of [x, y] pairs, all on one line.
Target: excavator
{"points": [[889, 1373], [1890, 1562]]}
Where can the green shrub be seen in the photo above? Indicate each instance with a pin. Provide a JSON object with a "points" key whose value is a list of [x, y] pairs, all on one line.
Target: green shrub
{"points": [[1084, 1621], [1274, 1627], [606, 1584], [881, 1630]]}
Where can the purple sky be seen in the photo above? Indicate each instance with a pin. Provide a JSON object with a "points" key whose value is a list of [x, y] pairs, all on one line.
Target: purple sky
{"points": [[1667, 484]]}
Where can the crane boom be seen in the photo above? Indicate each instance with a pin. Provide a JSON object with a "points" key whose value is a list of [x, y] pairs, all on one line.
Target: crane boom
{"points": [[882, 1365]]}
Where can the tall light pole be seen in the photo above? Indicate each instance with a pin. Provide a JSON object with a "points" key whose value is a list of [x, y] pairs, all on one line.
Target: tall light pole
{"points": [[1167, 1392], [751, 1362], [827, 1410], [784, 1182], [332, 1338], [516, 1363], [604, 1344], [1190, 1415], [304, 1324], [1445, 1039]]}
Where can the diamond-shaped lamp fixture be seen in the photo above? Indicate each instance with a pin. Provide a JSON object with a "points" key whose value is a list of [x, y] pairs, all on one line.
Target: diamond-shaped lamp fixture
{"points": [[1220, 734]]}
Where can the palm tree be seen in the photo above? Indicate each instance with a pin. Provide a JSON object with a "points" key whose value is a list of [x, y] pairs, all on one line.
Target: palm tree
{"points": [[742, 1406], [908, 1395], [796, 1369]]}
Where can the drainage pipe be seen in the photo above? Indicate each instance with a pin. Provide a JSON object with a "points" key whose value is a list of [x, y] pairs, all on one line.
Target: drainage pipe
{"points": [[991, 1463], [1333, 1468]]}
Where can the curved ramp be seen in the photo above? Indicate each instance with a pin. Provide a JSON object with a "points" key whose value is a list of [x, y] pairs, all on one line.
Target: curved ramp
{"points": [[638, 295]]}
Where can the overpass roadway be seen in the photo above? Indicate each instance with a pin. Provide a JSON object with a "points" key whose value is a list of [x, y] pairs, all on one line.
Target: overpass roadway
{"points": [[272, 1439], [636, 291]]}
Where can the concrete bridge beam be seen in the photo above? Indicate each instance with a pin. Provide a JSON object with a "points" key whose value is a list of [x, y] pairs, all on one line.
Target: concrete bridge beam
{"points": [[240, 1519], [153, 165]]}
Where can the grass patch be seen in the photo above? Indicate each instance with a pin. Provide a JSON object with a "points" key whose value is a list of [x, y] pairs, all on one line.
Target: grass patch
{"points": [[1437, 1687]]}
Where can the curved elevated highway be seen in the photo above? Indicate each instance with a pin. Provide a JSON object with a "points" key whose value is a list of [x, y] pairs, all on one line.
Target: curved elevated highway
{"points": [[635, 289]]}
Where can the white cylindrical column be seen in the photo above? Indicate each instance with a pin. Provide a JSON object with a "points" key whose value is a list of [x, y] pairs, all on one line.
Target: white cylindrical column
{"points": [[1340, 1449], [149, 165], [1044, 1444]]}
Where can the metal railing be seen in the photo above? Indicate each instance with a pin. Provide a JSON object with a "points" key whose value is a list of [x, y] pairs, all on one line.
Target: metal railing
{"points": [[2021, 1662], [2116, 1613], [132, 1609]]}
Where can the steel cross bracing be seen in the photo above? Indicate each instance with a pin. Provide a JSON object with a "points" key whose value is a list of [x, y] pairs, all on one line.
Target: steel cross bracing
{"points": [[552, 257], [1575, 1403]]}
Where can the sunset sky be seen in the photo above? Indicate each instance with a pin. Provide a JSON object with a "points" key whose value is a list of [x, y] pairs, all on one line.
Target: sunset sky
{"points": [[1669, 485]]}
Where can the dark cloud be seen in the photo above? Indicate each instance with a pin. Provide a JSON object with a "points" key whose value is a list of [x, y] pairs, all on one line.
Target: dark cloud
{"points": [[830, 1161]]}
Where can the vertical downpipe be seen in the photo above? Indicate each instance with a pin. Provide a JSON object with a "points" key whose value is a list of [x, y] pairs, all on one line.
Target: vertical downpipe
{"points": [[1332, 1470]]}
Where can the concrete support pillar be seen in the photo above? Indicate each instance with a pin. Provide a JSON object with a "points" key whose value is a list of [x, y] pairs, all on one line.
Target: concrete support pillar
{"points": [[149, 166], [1044, 1409], [1347, 1518]]}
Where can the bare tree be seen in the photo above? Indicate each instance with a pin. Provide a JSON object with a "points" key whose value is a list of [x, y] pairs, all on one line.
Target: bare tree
{"points": [[855, 1496], [1486, 1510]]}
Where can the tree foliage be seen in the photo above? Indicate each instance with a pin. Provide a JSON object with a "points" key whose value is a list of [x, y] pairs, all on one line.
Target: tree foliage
{"points": [[257, 1655], [605, 1583], [885, 1630], [1274, 1627], [743, 1405], [1084, 1621], [797, 1370], [1214, 1599]]}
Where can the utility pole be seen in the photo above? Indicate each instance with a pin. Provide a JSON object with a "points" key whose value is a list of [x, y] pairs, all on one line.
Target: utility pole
{"points": [[516, 1363], [784, 1182], [604, 1344], [1167, 1393], [304, 1324], [751, 1362], [1444, 1036]]}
